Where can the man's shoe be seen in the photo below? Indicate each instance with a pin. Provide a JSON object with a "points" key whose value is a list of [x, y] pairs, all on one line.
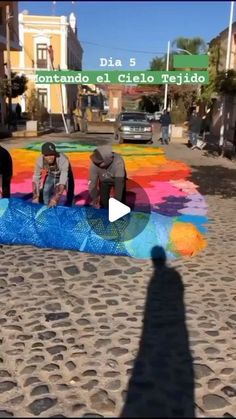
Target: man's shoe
{"points": [[193, 147]]}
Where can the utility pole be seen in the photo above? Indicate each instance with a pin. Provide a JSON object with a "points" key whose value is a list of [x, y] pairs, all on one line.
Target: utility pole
{"points": [[222, 142], [229, 37], [62, 106], [53, 8], [8, 40], [167, 69], [51, 62]]}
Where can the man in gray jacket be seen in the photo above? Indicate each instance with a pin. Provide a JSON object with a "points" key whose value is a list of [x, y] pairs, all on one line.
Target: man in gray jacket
{"points": [[107, 171], [195, 125], [59, 177]]}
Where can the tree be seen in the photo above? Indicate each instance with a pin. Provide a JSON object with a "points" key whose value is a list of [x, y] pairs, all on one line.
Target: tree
{"points": [[209, 90], [150, 103], [226, 82], [18, 85], [185, 93], [159, 63], [179, 113], [31, 103], [146, 104], [35, 108], [220, 82], [194, 45]]}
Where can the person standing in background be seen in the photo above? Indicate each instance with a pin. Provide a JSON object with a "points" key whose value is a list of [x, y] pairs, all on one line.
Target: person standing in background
{"points": [[195, 126], [165, 121]]}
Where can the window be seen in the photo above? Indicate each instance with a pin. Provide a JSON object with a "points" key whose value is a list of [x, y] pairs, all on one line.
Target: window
{"points": [[133, 117], [43, 97], [42, 55]]}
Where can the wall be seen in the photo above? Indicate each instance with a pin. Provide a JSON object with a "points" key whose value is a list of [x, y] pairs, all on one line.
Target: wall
{"points": [[222, 39], [229, 103], [115, 99]]}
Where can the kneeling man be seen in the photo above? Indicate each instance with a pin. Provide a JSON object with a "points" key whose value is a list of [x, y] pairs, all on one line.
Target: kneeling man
{"points": [[107, 172], [59, 177]]}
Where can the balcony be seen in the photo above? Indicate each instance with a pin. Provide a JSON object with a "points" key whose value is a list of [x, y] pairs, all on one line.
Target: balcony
{"points": [[42, 64]]}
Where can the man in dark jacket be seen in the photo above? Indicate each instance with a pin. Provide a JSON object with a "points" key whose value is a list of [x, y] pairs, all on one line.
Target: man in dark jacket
{"points": [[18, 111], [58, 178], [107, 171], [5, 173], [165, 121]]}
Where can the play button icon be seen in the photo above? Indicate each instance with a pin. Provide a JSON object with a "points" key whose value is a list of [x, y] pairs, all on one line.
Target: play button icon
{"points": [[117, 210], [118, 222]]}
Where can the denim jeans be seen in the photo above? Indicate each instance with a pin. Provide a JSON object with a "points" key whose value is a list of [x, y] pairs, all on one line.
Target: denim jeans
{"points": [[50, 184], [48, 188], [193, 136], [165, 134]]}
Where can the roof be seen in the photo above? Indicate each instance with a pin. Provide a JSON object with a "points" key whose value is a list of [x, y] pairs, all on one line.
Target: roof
{"points": [[222, 34], [225, 31]]}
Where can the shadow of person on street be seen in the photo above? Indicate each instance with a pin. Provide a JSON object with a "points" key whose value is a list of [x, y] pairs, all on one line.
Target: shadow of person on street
{"points": [[162, 381]]}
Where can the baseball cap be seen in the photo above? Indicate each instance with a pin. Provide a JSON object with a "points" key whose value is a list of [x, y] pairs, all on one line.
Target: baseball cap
{"points": [[49, 149]]}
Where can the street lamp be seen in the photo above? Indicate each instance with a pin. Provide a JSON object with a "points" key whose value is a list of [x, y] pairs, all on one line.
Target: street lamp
{"points": [[167, 67], [229, 36], [181, 49]]}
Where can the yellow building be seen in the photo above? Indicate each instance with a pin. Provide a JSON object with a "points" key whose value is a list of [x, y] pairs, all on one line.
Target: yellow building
{"points": [[37, 35], [14, 45]]}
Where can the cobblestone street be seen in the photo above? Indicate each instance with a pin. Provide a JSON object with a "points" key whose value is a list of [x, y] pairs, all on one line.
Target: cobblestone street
{"points": [[73, 340]]}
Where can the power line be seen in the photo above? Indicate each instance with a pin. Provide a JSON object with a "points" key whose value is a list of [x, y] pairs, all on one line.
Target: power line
{"points": [[95, 44], [122, 49], [133, 50], [99, 45]]}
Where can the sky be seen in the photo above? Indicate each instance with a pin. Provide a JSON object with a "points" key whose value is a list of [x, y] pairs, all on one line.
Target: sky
{"points": [[139, 30]]}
